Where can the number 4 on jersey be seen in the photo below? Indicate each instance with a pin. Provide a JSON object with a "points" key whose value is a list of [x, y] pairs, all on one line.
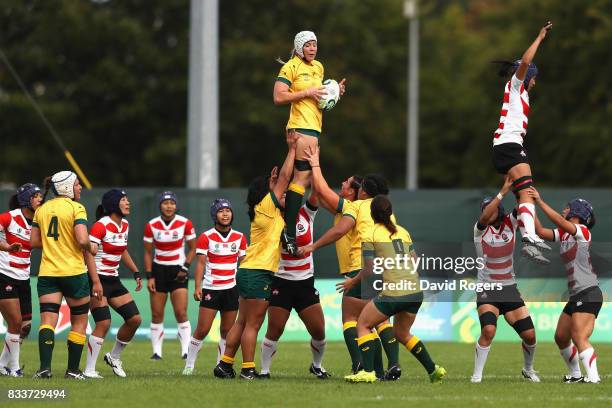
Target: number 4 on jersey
{"points": [[53, 229]]}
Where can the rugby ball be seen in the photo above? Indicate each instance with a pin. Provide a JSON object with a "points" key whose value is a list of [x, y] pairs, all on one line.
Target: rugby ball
{"points": [[328, 101]]}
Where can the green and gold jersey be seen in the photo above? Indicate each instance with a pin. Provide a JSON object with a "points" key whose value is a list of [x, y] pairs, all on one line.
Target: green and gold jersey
{"points": [[61, 255], [299, 75], [349, 257], [379, 246], [264, 249]]}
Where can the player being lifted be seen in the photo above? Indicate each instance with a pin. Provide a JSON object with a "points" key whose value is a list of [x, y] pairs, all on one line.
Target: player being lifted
{"points": [[219, 250], [577, 321], [110, 236], [265, 200], [15, 292], [299, 84], [509, 154], [60, 229], [386, 240], [293, 288], [494, 238], [168, 271]]}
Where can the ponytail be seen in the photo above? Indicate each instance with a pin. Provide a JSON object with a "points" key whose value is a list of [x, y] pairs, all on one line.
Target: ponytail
{"points": [[291, 55], [13, 203], [47, 186], [381, 211], [506, 69], [100, 212]]}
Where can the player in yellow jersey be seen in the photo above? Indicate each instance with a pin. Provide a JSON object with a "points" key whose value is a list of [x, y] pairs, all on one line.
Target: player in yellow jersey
{"points": [[299, 83], [354, 224], [400, 295], [60, 229], [265, 200]]}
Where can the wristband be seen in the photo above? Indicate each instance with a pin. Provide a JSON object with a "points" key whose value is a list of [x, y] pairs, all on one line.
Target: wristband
{"points": [[137, 275], [148, 274], [185, 267], [500, 196]]}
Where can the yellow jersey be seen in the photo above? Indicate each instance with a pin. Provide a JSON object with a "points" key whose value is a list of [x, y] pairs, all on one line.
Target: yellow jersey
{"points": [[359, 210], [264, 250], [299, 76], [61, 255], [380, 245], [349, 258]]}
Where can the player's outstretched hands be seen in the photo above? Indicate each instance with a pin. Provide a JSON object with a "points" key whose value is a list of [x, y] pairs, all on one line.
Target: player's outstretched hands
{"points": [[316, 93], [533, 193], [544, 30], [151, 285], [342, 86], [507, 185], [138, 284], [312, 155]]}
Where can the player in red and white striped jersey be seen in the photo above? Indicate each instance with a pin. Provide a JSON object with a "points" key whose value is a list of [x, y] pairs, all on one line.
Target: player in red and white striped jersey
{"points": [[509, 154], [293, 288], [494, 239], [219, 250], [15, 292], [168, 270], [110, 234], [577, 321]]}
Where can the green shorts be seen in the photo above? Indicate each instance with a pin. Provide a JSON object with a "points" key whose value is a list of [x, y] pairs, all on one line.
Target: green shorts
{"points": [[76, 287], [254, 283], [392, 305], [356, 290]]}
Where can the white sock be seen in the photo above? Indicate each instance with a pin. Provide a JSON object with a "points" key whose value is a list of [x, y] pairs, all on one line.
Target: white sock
{"points": [[94, 345], [11, 347], [528, 355], [220, 349], [526, 213], [157, 337], [480, 360], [318, 348], [268, 349], [589, 362], [4, 357], [184, 335], [118, 348], [192, 353], [571, 357]]}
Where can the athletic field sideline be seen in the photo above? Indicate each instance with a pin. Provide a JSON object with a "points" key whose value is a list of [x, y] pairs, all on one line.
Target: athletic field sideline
{"points": [[160, 383]]}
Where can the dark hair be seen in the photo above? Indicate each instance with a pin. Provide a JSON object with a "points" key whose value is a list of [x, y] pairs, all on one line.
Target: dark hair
{"points": [[356, 184], [100, 212], [375, 184], [13, 203], [47, 186], [258, 189], [382, 210], [506, 69]]}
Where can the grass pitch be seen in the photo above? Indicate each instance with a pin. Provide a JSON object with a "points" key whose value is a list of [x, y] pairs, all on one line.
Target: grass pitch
{"points": [[160, 383]]}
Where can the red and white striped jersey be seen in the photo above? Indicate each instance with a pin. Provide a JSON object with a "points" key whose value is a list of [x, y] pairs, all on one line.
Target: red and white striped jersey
{"points": [[576, 255], [496, 247], [112, 240], [14, 227], [299, 268], [514, 114], [222, 255], [169, 239]]}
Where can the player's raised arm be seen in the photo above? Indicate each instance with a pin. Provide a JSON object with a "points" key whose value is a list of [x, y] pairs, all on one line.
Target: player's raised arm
{"points": [[286, 171], [328, 197], [527, 57], [492, 207], [554, 216]]}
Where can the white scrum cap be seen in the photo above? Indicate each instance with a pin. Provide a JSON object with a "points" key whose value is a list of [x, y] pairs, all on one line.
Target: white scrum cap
{"points": [[63, 183], [302, 38]]}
